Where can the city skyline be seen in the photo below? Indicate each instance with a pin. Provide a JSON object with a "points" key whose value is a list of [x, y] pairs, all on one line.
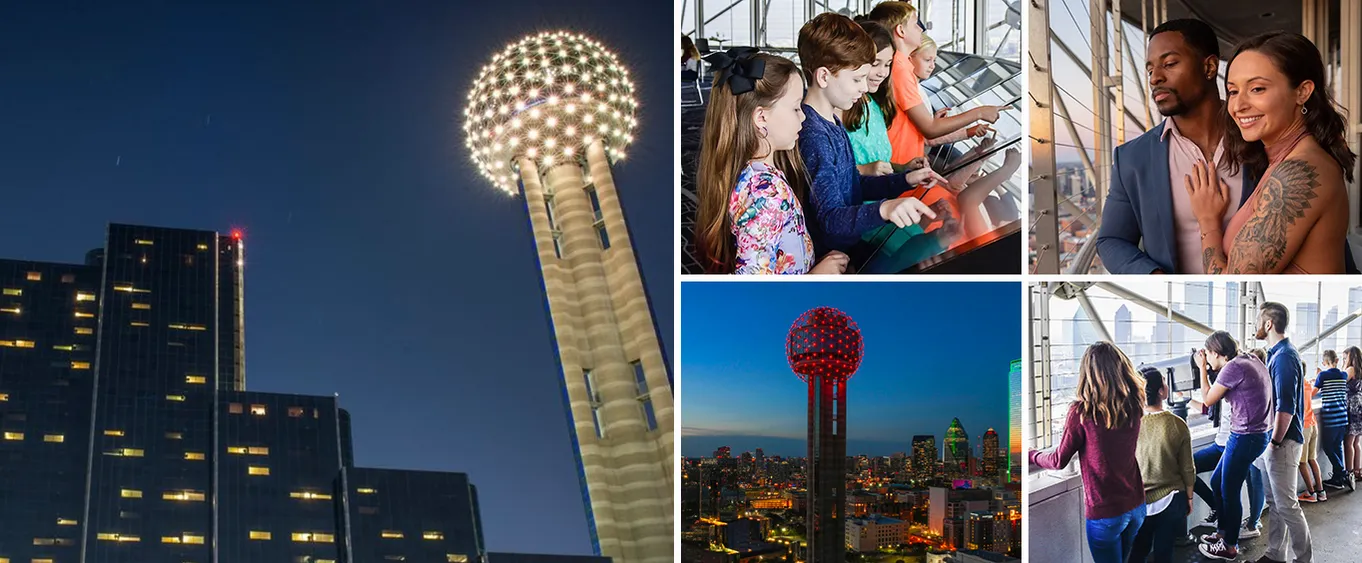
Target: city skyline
{"points": [[335, 147], [886, 404]]}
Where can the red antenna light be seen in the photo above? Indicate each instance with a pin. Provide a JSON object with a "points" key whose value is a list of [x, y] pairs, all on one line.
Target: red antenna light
{"points": [[236, 234]]}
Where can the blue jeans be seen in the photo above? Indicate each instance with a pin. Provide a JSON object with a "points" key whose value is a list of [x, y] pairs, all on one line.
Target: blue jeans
{"points": [[1159, 531], [1110, 539], [1207, 459], [1240, 451], [1331, 439]]}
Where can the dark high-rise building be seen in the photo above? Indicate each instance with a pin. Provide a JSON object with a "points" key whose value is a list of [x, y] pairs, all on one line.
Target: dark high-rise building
{"points": [[957, 450], [924, 457], [824, 348], [990, 455], [724, 452], [46, 378], [128, 435], [979, 530]]}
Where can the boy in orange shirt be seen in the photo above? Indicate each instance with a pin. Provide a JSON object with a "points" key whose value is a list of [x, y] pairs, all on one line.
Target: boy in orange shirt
{"points": [[914, 122]]}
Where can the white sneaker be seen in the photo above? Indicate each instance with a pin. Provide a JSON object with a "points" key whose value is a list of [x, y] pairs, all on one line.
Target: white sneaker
{"points": [[1322, 496], [1255, 531]]}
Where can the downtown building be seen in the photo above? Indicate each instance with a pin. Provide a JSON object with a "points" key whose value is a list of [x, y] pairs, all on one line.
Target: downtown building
{"points": [[127, 434]]}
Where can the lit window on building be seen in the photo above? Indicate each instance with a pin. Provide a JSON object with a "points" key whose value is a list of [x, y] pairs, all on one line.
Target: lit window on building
{"points": [[84, 330], [603, 236], [35, 276], [594, 401], [308, 495], [84, 315], [433, 536], [131, 493], [174, 436], [258, 410], [235, 408], [141, 324], [13, 291], [66, 522], [366, 491], [44, 541], [176, 398], [194, 456], [456, 558], [195, 379], [14, 436], [182, 326], [84, 296], [257, 470], [313, 537], [239, 450], [55, 438], [143, 242], [4, 397], [3, 560], [202, 246], [113, 433], [142, 306], [258, 450], [13, 310], [295, 412], [64, 347], [183, 496], [259, 535], [23, 344], [80, 365], [105, 536], [129, 452], [391, 534], [394, 557]]}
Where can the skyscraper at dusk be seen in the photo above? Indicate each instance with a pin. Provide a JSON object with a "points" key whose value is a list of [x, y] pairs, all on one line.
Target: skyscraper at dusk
{"points": [[990, 454], [1014, 419], [129, 435], [924, 457], [546, 118], [957, 450], [824, 348]]}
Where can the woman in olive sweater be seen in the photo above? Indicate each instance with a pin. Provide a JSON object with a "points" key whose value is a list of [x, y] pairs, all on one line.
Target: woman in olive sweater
{"points": [[1169, 473], [1101, 429]]}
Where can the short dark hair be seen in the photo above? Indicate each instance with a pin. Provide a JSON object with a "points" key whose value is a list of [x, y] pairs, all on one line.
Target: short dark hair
{"points": [[1222, 343], [1330, 357], [1153, 382], [1277, 313], [1195, 32]]}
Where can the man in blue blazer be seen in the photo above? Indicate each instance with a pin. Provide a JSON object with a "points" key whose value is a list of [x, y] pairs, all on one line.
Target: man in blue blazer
{"points": [[1147, 221]]}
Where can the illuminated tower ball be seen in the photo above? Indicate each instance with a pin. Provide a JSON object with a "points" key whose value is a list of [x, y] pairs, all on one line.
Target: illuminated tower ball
{"points": [[547, 98], [825, 348], [545, 119]]}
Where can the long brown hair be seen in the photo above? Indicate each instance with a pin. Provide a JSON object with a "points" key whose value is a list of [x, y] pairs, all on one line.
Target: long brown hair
{"points": [[1298, 59], [728, 141], [854, 118], [1352, 357], [688, 50], [1110, 391]]}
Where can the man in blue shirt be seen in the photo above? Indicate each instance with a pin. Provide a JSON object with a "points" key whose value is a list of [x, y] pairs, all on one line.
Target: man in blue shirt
{"points": [[1287, 438]]}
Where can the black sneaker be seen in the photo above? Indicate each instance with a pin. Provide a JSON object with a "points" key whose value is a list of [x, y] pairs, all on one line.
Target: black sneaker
{"points": [[1334, 483], [1210, 520], [1219, 550]]}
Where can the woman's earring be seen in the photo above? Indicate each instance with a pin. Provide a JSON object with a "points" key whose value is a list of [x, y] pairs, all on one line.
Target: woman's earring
{"points": [[761, 130], [1303, 110]]}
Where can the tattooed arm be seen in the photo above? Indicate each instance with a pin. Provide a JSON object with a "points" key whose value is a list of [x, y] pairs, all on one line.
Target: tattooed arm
{"points": [[1210, 197], [1289, 205]]}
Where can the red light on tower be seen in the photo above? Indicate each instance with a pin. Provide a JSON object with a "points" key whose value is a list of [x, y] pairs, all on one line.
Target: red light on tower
{"points": [[236, 234], [824, 341]]}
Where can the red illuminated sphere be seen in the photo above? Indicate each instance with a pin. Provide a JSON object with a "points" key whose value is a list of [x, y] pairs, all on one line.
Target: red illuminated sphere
{"points": [[824, 341]]}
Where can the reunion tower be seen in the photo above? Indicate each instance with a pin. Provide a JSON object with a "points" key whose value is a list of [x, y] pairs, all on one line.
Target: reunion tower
{"points": [[824, 349], [545, 119]]}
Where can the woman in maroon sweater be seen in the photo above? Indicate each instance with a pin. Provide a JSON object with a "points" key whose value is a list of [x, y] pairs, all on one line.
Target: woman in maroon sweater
{"points": [[1102, 428]]}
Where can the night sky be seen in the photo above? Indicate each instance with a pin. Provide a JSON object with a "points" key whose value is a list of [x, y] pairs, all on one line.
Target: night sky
{"points": [[933, 351], [379, 265]]}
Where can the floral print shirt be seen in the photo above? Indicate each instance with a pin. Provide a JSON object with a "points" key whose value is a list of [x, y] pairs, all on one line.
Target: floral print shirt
{"points": [[768, 224]]}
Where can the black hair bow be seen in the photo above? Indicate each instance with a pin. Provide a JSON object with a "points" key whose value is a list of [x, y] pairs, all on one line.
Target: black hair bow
{"points": [[742, 67]]}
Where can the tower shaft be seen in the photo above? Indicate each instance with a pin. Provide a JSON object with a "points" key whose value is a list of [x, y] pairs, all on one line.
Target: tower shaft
{"points": [[827, 469], [614, 376]]}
